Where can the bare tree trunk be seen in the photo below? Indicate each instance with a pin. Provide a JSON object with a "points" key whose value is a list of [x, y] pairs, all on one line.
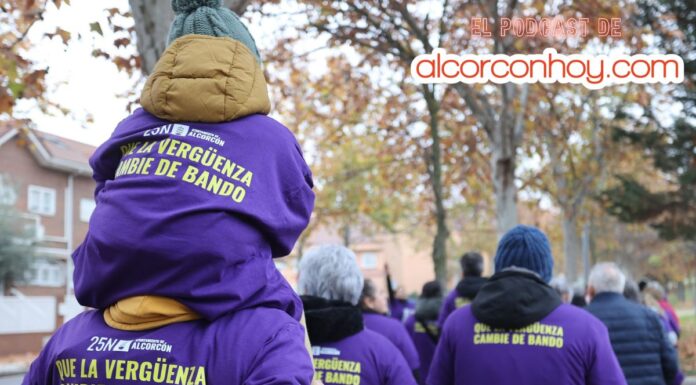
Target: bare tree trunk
{"points": [[441, 232], [505, 131], [503, 168], [434, 162], [152, 21], [346, 235], [571, 246]]}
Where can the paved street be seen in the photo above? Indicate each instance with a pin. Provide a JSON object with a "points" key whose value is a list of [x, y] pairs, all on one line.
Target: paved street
{"points": [[11, 380]]}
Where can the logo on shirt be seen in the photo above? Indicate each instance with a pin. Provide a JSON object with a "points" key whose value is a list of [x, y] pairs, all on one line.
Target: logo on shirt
{"points": [[180, 130], [107, 344], [323, 351], [183, 130], [123, 346]]}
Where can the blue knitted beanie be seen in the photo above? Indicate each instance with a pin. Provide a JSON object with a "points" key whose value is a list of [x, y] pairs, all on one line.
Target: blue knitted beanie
{"points": [[209, 17], [526, 247]]}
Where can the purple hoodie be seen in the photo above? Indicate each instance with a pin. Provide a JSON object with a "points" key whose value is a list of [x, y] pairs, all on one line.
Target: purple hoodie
{"points": [[195, 212], [550, 344], [395, 332], [246, 347]]}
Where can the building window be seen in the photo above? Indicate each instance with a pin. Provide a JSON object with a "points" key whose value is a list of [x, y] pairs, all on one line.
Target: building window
{"points": [[8, 195], [42, 200], [45, 273], [368, 260], [86, 208]]}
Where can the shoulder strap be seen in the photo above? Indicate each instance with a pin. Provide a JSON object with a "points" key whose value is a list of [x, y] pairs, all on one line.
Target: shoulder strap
{"points": [[433, 336]]}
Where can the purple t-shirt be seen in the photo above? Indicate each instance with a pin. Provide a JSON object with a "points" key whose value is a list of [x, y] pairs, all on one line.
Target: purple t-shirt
{"points": [[423, 342], [401, 309], [365, 358], [451, 303], [567, 347], [257, 346], [195, 212], [395, 332]]}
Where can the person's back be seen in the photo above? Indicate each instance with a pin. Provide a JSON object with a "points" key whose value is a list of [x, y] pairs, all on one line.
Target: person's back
{"points": [[365, 358], [423, 327], [636, 332], [638, 338], [396, 333], [467, 288], [245, 347], [517, 331], [196, 193], [374, 304], [424, 336], [197, 204], [345, 352], [568, 346]]}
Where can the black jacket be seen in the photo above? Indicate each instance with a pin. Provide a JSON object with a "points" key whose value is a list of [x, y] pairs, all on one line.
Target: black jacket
{"points": [[638, 338]]}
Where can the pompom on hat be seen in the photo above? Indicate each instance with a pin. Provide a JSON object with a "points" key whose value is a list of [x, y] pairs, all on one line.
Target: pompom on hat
{"points": [[526, 247], [209, 17]]}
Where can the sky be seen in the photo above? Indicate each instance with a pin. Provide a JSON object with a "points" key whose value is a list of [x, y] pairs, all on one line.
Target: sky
{"points": [[83, 84], [93, 87]]}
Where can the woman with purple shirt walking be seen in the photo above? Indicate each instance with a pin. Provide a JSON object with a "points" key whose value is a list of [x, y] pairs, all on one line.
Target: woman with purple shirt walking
{"points": [[375, 307], [345, 352]]}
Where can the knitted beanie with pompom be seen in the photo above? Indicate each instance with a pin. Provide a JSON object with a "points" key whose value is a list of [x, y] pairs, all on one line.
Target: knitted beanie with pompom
{"points": [[209, 17]]}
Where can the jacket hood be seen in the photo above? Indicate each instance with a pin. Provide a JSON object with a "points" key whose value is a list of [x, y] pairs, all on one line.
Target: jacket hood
{"points": [[147, 312], [514, 298], [206, 79], [427, 309], [470, 286], [330, 321]]}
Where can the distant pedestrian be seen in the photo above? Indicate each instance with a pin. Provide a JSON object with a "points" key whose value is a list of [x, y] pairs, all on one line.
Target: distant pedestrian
{"points": [[423, 325], [518, 332], [400, 307], [345, 352], [374, 304], [637, 334], [471, 264], [632, 291], [564, 290], [579, 300], [657, 291]]}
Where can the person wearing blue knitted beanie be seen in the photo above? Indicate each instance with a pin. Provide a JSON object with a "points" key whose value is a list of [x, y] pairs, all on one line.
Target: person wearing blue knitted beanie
{"points": [[525, 247], [517, 331]]}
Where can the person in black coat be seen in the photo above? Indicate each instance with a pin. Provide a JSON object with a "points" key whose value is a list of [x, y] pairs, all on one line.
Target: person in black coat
{"points": [[637, 334]]}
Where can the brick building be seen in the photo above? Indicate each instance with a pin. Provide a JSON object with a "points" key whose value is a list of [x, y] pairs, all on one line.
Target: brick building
{"points": [[47, 179]]}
